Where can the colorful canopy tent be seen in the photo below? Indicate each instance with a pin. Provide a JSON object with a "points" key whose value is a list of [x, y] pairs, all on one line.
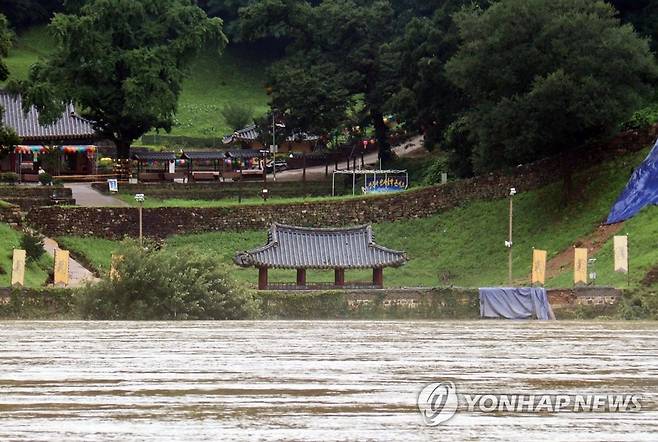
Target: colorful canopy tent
{"points": [[641, 190]]}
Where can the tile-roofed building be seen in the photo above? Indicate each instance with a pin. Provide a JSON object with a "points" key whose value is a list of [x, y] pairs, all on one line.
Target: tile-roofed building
{"points": [[302, 248], [68, 128], [249, 137]]}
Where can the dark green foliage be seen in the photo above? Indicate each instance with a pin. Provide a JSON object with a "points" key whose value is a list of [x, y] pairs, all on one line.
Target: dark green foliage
{"points": [[425, 99], [640, 303], [8, 177], [123, 63], [45, 179], [32, 243], [44, 303], [336, 52], [24, 13], [162, 284], [237, 115], [545, 77]]}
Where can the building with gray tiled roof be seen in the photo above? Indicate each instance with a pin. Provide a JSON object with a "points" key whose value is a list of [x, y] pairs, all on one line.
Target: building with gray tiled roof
{"points": [[69, 128], [302, 248]]}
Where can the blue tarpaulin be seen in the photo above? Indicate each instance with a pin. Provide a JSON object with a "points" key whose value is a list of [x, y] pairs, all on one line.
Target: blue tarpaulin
{"points": [[641, 190], [515, 303]]}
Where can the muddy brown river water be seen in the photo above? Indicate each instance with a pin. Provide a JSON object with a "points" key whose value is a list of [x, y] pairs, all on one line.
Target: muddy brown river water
{"points": [[307, 381]]}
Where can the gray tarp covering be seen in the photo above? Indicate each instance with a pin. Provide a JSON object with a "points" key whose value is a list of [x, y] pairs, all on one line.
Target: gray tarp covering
{"points": [[515, 303]]}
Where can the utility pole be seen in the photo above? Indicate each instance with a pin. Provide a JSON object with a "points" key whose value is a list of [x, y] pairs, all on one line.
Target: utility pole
{"points": [[509, 242]]}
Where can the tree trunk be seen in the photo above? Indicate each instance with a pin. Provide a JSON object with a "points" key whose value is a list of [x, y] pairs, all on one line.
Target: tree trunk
{"points": [[123, 149], [381, 134]]}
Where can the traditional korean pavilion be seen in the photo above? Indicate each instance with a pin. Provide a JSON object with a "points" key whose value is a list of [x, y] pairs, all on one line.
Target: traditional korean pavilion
{"points": [[303, 248]]}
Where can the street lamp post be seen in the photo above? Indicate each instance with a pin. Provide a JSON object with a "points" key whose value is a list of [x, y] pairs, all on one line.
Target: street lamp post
{"points": [[274, 148], [509, 242], [139, 197]]}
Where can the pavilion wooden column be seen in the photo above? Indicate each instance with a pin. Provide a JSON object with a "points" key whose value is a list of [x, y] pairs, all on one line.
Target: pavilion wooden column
{"points": [[301, 277], [262, 278], [339, 277], [378, 277]]}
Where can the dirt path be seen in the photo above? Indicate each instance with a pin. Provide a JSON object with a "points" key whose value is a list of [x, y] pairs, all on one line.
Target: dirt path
{"points": [[78, 275], [592, 242], [87, 196]]}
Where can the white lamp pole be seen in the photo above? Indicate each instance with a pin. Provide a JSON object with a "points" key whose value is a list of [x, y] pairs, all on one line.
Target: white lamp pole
{"points": [[509, 242], [273, 147], [139, 197]]}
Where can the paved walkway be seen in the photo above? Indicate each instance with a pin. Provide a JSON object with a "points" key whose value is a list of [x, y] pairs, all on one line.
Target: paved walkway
{"points": [[78, 275], [86, 196], [410, 148]]}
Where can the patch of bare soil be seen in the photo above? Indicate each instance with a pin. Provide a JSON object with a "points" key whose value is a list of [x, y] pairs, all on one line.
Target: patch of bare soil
{"points": [[592, 242]]}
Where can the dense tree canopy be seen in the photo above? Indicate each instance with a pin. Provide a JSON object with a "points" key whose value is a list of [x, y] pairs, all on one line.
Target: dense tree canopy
{"points": [[545, 77], [335, 52], [122, 62], [7, 136]]}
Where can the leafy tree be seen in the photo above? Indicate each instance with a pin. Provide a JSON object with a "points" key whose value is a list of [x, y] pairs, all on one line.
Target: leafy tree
{"points": [[25, 13], [425, 99], [335, 52], [545, 78], [8, 137], [122, 62], [237, 115], [163, 284], [642, 14]]}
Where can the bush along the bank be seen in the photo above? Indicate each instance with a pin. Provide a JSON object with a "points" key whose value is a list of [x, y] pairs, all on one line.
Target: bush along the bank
{"points": [[639, 304], [151, 284], [43, 303]]}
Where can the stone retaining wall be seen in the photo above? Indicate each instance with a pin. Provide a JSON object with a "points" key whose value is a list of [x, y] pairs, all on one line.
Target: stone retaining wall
{"points": [[228, 189], [166, 221], [418, 203]]}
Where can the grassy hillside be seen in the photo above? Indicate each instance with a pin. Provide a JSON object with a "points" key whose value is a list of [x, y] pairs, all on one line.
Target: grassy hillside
{"points": [[35, 273], [238, 75], [465, 246]]}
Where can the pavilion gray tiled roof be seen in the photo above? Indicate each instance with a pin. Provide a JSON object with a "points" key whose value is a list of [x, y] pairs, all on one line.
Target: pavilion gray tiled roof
{"points": [[251, 133], [27, 127], [204, 155], [303, 247], [154, 156]]}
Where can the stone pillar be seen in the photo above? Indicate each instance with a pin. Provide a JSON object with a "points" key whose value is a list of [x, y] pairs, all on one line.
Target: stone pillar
{"points": [[339, 277], [262, 278], [301, 277], [378, 277]]}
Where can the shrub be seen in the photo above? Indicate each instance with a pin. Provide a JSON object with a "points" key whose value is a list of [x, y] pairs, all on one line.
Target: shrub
{"points": [[45, 179], [8, 177], [237, 115], [32, 243], [150, 284], [639, 303]]}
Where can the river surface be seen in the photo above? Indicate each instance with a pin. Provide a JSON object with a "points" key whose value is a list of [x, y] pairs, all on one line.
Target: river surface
{"points": [[299, 381]]}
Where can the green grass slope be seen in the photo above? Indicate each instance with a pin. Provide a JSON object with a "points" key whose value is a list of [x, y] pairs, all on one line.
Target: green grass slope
{"points": [[465, 246], [35, 273], [238, 75]]}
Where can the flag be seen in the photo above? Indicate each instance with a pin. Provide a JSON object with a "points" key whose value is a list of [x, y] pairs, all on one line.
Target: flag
{"points": [[538, 266], [580, 266], [621, 254]]}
